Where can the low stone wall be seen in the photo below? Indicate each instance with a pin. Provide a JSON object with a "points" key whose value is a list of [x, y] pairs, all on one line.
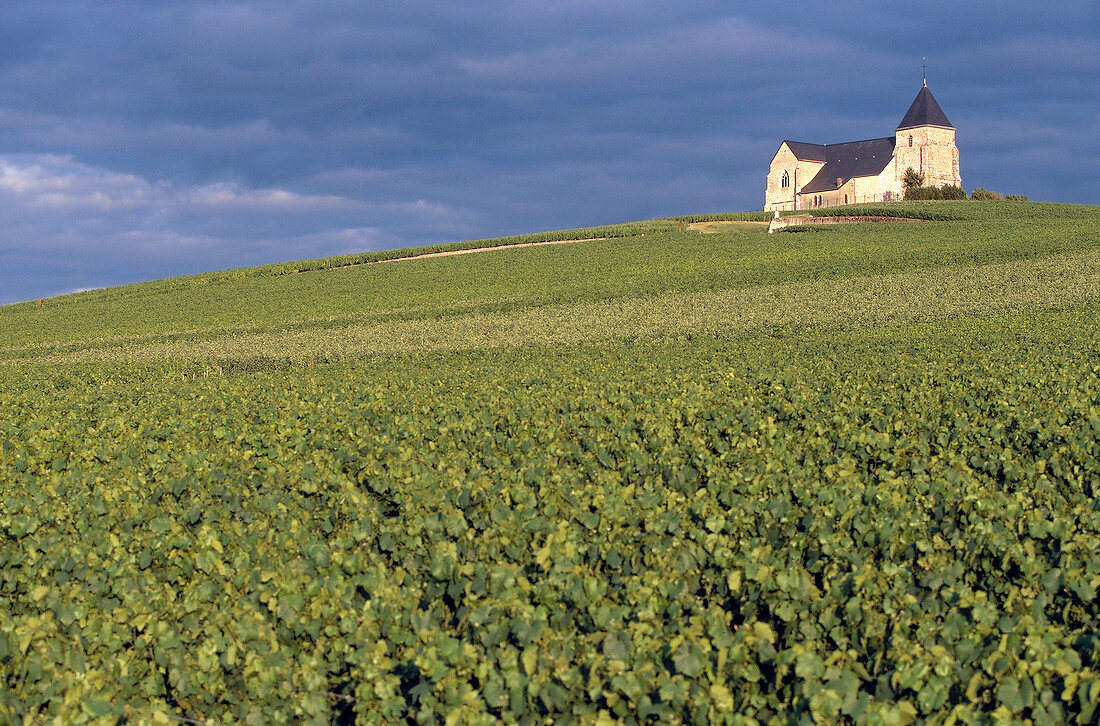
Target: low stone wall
{"points": [[779, 223]]}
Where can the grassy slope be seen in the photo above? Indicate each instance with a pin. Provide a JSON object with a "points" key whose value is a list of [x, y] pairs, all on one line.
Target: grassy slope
{"points": [[661, 265], [841, 474]]}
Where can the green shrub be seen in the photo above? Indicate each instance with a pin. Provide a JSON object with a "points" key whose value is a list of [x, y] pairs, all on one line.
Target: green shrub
{"points": [[923, 193], [949, 191], [913, 180], [930, 210], [1016, 198], [719, 217], [984, 194]]}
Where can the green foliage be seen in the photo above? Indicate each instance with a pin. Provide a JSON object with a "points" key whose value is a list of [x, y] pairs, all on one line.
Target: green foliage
{"points": [[923, 193], [850, 523], [908, 209], [948, 192], [921, 294], [723, 217], [1007, 218], [853, 480], [301, 311], [985, 195], [952, 192], [911, 180]]}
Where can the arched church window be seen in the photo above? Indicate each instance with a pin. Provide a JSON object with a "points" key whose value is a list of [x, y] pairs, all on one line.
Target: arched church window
{"points": [[910, 139], [786, 180], [845, 198]]}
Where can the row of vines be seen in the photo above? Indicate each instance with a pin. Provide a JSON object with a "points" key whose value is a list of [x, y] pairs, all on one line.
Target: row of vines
{"points": [[655, 260], [880, 526]]}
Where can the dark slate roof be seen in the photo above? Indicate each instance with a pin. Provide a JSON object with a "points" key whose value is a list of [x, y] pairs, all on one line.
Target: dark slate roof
{"points": [[924, 112], [806, 152], [855, 158]]}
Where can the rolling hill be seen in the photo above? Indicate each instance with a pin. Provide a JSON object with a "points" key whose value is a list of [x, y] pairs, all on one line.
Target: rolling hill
{"points": [[838, 473]]}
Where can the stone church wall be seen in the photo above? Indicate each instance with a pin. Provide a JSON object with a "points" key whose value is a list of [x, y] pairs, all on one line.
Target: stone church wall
{"points": [[928, 149], [933, 153], [801, 172], [859, 190], [879, 188]]}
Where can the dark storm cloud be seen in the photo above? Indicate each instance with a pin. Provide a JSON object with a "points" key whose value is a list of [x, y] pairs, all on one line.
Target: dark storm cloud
{"points": [[147, 139]]}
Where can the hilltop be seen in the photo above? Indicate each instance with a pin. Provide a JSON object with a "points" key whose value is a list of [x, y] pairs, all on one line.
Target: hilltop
{"points": [[836, 473], [659, 278]]}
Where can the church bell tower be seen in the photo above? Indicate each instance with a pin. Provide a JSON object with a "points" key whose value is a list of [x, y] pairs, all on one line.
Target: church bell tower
{"points": [[925, 141]]}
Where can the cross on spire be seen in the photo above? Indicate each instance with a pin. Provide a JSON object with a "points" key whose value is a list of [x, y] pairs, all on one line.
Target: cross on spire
{"points": [[924, 69]]}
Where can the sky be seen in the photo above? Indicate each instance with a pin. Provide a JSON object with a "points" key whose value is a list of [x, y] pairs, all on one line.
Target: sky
{"points": [[150, 138]]}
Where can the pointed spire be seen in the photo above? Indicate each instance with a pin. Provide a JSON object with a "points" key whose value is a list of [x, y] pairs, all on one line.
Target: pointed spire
{"points": [[924, 69], [924, 112]]}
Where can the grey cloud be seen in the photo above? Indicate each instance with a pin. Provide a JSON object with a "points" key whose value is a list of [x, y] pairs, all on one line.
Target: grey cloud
{"points": [[253, 129], [73, 219]]}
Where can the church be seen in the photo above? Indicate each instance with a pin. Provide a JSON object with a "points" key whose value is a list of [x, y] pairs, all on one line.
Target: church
{"points": [[804, 176]]}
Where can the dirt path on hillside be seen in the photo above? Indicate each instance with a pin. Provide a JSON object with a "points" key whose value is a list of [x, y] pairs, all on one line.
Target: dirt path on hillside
{"points": [[448, 253], [723, 226]]}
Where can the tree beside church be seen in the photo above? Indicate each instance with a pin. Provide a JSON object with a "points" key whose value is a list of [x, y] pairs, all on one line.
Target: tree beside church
{"points": [[805, 175]]}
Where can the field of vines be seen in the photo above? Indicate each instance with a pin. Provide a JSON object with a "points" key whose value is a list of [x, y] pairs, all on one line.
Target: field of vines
{"points": [[800, 493], [646, 261]]}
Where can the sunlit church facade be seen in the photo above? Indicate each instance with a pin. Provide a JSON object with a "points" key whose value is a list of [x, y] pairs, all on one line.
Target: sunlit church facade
{"points": [[804, 176]]}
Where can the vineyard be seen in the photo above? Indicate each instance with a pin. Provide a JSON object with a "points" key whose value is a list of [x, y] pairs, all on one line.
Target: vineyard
{"points": [[843, 475]]}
